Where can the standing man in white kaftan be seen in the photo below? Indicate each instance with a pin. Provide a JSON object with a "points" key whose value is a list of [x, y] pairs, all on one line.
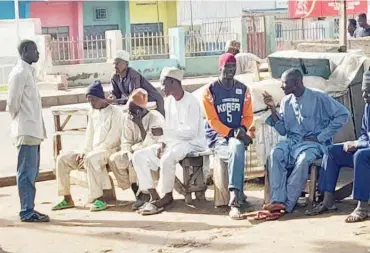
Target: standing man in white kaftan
{"points": [[28, 128], [309, 119], [102, 140], [182, 134], [136, 135]]}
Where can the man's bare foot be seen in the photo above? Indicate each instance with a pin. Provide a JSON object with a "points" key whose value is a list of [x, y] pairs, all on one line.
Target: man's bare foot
{"points": [[359, 214], [154, 196], [234, 200]]}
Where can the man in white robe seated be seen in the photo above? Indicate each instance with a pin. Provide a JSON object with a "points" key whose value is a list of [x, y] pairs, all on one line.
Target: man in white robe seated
{"points": [[182, 134], [103, 135], [136, 135]]}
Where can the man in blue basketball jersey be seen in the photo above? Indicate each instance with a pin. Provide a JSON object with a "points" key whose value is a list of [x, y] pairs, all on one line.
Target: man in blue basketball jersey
{"points": [[228, 108]]}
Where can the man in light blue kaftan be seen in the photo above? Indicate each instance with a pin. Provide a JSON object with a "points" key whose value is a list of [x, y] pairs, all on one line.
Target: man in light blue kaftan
{"points": [[308, 119]]}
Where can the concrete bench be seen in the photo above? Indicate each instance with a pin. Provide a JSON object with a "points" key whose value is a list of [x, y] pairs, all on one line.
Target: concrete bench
{"points": [[193, 177]]}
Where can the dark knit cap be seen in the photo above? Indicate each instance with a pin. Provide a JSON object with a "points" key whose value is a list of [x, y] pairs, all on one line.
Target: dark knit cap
{"points": [[95, 89]]}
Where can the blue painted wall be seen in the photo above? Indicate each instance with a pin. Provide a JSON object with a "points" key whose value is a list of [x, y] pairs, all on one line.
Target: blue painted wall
{"points": [[117, 14], [7, 9]]}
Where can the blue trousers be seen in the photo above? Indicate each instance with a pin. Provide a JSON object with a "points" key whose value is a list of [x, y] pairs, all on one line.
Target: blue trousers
{"points": [[232, 152], [287, 180], [338, 158], [27, 172]]}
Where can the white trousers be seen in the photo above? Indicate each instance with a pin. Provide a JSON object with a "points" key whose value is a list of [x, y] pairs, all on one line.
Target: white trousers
{"points": [[95, 165], [146, 160]]}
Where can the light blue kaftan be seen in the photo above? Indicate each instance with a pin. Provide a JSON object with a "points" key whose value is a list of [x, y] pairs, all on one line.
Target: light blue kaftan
{"points": [[314, 114]]}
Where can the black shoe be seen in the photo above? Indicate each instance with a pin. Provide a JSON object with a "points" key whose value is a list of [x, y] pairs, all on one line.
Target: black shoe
{"points": [[37, 217], [41, 214]]}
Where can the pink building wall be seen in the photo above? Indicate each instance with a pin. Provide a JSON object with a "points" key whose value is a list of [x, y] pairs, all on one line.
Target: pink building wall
{"points": [[55, 14]]}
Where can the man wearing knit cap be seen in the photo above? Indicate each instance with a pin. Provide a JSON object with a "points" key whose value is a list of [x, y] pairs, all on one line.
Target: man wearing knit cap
{"points": [[136, 135], [354, 154], [228, 107], [126, 79], [103, 135], [182, 134]]}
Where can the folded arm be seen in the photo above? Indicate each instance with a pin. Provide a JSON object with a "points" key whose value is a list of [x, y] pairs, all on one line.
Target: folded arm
{"points": [[338, 114], [156, 120]]}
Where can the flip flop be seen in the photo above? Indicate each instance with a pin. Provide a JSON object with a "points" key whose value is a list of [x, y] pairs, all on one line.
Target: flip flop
{"points": [[98, 206], [320, 209], [150, 209], [356, 217], [62, 205], [269, 216], [235, 213]]}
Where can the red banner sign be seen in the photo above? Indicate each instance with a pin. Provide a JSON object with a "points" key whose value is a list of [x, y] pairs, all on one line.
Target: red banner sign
{"points": [[324, 8]]}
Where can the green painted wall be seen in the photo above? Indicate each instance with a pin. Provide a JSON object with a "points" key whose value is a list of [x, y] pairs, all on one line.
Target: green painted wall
{"points": [[117, 13], [201, 66]]}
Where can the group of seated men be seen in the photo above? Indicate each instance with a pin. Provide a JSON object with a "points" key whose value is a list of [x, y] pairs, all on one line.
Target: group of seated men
{"points": [[139, 142]]}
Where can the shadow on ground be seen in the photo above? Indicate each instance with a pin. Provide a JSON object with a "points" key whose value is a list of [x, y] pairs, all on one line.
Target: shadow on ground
{"points": [[160, 241], [3, 251], [145, 225], [340, 247]]}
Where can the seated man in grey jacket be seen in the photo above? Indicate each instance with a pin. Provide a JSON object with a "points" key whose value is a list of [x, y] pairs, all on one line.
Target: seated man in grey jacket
{"points": [[126, 79]]}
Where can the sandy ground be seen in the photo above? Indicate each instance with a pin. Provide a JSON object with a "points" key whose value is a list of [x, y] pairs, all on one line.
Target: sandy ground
{"points": [[199, 228]]}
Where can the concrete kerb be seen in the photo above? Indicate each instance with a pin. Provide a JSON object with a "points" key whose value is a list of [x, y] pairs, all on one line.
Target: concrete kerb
{"points": [[77, 95]]}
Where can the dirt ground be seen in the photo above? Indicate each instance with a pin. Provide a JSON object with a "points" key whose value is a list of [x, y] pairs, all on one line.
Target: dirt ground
{"points": [[199, 228]]}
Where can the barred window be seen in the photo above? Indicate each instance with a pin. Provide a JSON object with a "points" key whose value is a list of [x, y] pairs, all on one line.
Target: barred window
{"points": [[100, 14]]}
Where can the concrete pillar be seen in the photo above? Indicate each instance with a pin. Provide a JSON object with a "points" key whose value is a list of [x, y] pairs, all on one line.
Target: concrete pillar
{"points": [[45, 63], [79, 30], [329, 29], [127, 17], [114, 43], [239, 27], [270, 34], [177, 45]]}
